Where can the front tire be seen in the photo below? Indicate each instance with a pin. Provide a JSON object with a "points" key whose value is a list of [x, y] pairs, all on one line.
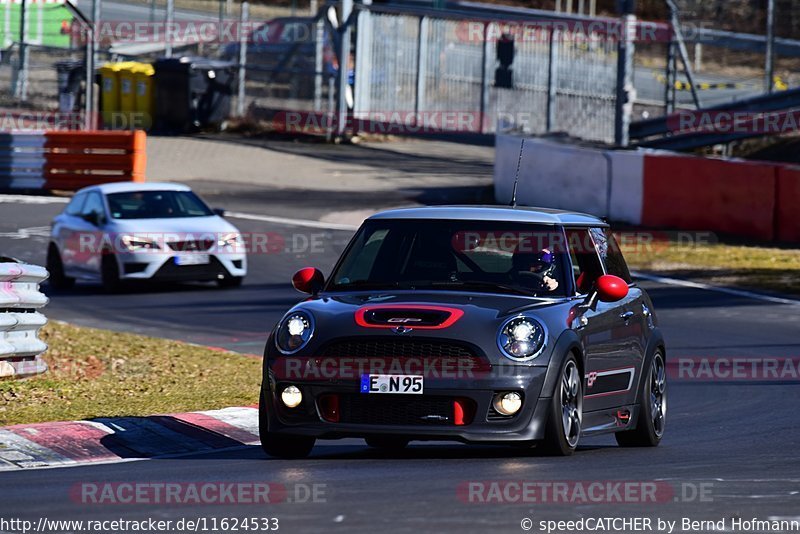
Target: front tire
{"points": [[652, 408], [281, 445], [109, 274], [563, 429], [58, 280], [230, 282]]}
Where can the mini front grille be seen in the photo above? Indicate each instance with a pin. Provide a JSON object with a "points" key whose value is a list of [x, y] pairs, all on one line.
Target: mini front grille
{"points": [[191, 245], [396, 410], [395, 348]]}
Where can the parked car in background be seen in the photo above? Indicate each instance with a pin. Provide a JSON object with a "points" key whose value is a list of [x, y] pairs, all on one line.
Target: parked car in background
{"points": [[475, 324], [126, 232]]}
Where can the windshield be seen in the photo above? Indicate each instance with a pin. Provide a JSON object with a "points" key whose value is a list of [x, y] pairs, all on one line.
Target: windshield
{"points": [[486, 256], [156, 205]]}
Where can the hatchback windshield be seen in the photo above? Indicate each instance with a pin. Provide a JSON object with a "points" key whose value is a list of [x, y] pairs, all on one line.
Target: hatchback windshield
{"points": [[485, 256], [156, 205]]}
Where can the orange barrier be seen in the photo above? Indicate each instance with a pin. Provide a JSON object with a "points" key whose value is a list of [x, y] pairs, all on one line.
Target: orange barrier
{"points": [[691, 193], [78, 159], [787, 222]]}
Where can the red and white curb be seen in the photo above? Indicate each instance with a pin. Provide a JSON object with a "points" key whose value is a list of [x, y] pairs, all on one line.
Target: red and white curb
{"points": [[113, 439]]}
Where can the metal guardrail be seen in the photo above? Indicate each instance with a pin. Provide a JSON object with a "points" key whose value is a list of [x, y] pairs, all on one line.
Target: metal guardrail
{"points": [[20, 320], [654, 133]]}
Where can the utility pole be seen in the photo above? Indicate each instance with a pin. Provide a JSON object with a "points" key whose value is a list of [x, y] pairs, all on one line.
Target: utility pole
{"points": [[626, 93], [96, 26], [168, 30], [22, 79], [769, 65], [344, 65]]}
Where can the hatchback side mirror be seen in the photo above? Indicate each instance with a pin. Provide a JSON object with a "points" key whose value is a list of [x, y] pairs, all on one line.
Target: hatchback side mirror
{"points": [[92, 218], [308, 280], [219, 211], [611, 288]]}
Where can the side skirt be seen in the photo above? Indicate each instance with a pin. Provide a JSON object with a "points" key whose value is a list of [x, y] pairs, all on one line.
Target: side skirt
{"points": [[610, 420]]}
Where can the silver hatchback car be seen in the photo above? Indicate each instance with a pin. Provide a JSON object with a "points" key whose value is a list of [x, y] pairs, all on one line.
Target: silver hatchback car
{"points": [[122, 232]]}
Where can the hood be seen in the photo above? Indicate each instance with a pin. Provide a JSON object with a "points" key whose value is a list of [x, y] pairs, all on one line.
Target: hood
{"points": [[181, 225]]}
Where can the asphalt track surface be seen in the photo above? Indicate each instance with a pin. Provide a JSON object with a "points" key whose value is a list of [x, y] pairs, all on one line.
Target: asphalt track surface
{"points": [[736, 444]]}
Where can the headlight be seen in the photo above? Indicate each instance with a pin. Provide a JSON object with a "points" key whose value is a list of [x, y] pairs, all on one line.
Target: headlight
{"points": [[229, 240], [134, 243], [294, 332], [521, 338]]}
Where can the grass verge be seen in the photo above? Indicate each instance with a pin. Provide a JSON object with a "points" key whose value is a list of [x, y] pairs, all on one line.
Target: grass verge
{"points": [[97, 373], [746, 266]]}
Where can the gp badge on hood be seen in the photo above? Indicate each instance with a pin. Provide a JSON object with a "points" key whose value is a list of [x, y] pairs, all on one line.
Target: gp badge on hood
{"points": [[402, 318]]}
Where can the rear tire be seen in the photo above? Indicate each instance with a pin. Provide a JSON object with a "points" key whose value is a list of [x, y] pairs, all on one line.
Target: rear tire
{"points": [[281, 445], [387, 443], [563, 429], [58, 280], [109, 274], [652, 416]]}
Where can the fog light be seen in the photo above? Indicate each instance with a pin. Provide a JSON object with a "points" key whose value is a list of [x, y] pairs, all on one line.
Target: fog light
{"points": [[507, 403], [291, 396]]}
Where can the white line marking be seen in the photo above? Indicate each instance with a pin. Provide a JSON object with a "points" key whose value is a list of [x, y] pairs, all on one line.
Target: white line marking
{"points": [[708, 287], [291, 222], [32, 199]]}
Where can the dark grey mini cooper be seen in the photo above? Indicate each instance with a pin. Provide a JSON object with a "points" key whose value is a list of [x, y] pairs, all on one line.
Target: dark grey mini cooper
{"points": [[477, 324]]}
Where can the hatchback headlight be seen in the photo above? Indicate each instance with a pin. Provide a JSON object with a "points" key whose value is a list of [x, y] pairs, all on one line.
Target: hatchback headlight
{"points": [[521, 338], [229, 240], [294, 332], [135, 243]]}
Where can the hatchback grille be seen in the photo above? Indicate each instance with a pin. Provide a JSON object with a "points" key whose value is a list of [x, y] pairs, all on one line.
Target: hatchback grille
{"points": [[396, 410], [191, 245], [395, 348]]}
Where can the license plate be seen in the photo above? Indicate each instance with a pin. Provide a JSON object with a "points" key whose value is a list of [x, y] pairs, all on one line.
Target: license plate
{"points": [[407, 384], [192, 259]]}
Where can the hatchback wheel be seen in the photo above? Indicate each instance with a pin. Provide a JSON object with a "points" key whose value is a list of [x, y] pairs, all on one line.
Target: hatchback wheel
{"points": [[109, 274], [58, 280], [652, 408], [563, 428]]}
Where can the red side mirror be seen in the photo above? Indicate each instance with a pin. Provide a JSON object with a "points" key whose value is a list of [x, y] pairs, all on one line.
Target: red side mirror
{"points": [[611, 288], [308, 280]]}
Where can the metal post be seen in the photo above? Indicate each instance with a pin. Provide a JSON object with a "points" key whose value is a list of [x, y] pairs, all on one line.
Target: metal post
{"points": [[623, 108], [669, 83], [245, 16], [96, 25], [344, 65], [221, 16], [769, 65], [552, 80], [21, 88], [88, 105], [422, 66], [592, 8], [486, 74], [152, 17], [170, 17], [319, 37], [684, 55]]}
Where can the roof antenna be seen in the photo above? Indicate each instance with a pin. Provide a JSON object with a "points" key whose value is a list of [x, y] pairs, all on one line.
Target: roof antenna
{"points": [[516, 178]]}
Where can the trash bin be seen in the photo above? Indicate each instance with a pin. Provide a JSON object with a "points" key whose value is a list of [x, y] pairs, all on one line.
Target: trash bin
{"points": [[143, 77], [70, 75], [193, 93], [127, 94], [109, 99]]}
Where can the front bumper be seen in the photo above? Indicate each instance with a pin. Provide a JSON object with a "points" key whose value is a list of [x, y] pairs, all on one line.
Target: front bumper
{"points": [[404, 415], [163, 266]]}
